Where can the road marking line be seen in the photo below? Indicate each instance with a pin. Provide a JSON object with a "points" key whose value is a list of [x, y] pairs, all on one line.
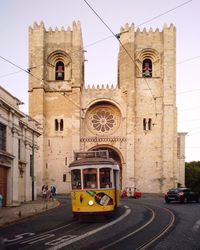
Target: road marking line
{"points": [[90, 232], [37, 238], [134, 232], [21, 238], [17, 237], [196, 226]]}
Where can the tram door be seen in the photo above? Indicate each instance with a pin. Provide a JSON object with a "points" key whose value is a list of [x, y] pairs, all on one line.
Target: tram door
{"points": [[116, 185]]}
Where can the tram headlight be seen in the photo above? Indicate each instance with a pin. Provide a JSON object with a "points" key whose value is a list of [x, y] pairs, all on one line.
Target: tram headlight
{"points": [[91, 203]]}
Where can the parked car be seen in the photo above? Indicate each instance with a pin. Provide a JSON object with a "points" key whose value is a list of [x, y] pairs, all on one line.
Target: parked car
{"points": [[182, 195], [131, 192]]}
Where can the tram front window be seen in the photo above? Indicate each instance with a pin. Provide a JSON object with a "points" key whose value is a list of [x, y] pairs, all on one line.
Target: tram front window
{"points": [[105, 181], [90, 178], [76, 179]]}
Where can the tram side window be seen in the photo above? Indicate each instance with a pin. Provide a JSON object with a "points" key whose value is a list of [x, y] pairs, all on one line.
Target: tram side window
{"points": [[90, 178], [76, 179], [105, 180]]}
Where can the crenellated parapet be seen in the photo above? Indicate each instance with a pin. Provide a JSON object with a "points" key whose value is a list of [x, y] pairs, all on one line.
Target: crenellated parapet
{"points": [[128, 33], [76, 26], [37, 26], [71, 35], [100, 87], [145, 31], [127, 27]]}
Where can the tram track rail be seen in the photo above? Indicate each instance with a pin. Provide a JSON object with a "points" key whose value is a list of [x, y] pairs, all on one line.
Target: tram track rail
{"points": [[136, 234], [161, 233], [137, 225]]}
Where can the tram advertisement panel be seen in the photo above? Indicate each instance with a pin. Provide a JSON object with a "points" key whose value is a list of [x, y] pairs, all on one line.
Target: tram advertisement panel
{"points": [[93, 200]]}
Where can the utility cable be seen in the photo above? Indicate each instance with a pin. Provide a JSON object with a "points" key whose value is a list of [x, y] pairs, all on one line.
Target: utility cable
{"points": [[166, 12], [147, 21], [189, 59], [25, 70], [117, 37], [12, 73]]}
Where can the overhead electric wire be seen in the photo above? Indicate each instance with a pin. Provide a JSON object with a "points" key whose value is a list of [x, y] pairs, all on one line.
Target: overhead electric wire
{"points": [[25, 70], [188, 109], [188, 91], [117, 37], [189, 59], [12, 73], [166, 12], [108, 37], [147, 21], [113, 34]]}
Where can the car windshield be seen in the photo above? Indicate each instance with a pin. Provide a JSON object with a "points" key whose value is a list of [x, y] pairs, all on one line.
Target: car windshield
{"points": [[174, 190], [177, 190]]}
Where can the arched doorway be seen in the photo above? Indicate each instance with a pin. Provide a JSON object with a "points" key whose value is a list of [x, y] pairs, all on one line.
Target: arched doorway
{"points": [[113, 153]]}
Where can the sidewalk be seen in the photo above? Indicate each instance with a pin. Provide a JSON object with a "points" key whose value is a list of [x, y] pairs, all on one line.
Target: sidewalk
{"points": [[12, 214]]}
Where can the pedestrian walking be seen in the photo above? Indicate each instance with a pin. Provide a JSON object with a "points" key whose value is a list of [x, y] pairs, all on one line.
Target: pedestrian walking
{"points": [[44, 191], [53, 191]]}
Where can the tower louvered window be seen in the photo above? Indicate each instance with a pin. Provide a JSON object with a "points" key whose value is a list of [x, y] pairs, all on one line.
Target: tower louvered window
{"points": [[60, 71], [147, 68]]}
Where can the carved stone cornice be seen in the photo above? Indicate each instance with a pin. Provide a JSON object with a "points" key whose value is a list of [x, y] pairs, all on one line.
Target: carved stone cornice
{"points": [[103, 139], [17, 131], [29, 143], [6, 159]]}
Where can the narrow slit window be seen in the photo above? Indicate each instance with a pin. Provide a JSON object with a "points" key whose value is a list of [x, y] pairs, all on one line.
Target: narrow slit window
{"points": [[64, 177], [56, 124], [150, 124], [61, 125], [144, 124]]}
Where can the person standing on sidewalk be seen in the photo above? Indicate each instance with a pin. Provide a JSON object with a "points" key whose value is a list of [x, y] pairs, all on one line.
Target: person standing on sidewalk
{"points": [[1, 201]]}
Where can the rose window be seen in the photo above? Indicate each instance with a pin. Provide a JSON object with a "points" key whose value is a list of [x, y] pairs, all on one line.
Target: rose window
{"points": [[103, 120]]}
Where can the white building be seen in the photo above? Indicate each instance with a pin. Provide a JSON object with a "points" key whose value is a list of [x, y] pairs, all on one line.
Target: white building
{"points": [[18, 150]]}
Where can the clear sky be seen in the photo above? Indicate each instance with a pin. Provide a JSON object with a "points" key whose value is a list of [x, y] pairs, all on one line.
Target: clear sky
{"points": [[101, 67]]}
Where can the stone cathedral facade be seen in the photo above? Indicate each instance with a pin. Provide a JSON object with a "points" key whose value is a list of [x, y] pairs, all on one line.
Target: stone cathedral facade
{"points": [[136, 120]]}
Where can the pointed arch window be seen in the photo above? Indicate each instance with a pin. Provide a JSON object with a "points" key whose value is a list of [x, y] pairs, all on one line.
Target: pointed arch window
{"points": [[60, 71], [147, 68]]}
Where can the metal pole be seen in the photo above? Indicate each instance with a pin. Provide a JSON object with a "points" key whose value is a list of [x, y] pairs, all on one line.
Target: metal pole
{"points": [[32, 170]]}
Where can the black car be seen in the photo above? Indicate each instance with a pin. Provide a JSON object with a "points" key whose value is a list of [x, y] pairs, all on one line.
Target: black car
{"points": [[182, 195]]}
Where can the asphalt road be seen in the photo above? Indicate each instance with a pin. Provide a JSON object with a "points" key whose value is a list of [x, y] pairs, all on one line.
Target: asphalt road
{"points": [[138, 224]]}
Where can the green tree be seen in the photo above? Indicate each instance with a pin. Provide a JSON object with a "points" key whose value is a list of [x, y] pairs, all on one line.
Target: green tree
{"points": [[192, 175]]}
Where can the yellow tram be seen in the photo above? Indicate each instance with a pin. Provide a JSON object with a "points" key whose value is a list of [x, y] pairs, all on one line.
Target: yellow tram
{"points": [[95, 180]]}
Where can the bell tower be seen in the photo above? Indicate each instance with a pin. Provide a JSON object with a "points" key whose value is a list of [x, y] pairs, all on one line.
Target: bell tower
{"points": [[56, 79], [147, 74]]}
